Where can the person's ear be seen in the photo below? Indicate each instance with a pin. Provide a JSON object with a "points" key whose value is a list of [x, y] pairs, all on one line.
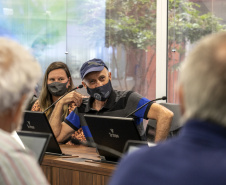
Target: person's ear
{"points": [[181, 99], [84, 84], [109, 74], [17, 113]]}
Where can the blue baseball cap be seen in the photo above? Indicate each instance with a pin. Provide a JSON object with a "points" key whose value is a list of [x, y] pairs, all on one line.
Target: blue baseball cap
{"points": [[92, 65]]}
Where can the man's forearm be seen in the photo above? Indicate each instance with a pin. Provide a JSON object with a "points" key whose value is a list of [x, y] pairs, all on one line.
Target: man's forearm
{"points": [[164, 117], [163, 128]]}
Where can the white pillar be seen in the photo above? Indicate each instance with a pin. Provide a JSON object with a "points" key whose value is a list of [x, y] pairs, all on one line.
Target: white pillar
{"points": [[161, 48]]}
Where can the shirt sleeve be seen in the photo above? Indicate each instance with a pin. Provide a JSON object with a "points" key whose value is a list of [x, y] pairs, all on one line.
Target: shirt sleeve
{"points": [[135, 101], [73, 120], [19, 167]]}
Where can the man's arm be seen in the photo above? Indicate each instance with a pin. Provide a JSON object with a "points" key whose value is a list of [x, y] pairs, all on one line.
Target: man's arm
{"points": [[164, 117], [55, 118], [65, 133], [61, 130]]}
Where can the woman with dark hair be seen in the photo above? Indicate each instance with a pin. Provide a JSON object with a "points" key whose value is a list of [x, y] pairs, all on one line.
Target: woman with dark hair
{"points": [[57, 81]]}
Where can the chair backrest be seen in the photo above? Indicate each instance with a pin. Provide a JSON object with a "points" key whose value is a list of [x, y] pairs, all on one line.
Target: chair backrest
{"points": [[175, 125]]}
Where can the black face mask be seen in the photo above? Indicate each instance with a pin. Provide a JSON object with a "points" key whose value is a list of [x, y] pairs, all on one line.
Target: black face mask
{"points": [[57, 88], [101, 93]]}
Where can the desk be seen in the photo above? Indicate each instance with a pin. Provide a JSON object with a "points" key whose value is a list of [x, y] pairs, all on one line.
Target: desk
{"points": [[78, 169]]}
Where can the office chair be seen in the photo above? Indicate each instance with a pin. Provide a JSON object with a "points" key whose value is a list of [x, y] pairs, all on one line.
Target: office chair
{"points": [[175, 125]]}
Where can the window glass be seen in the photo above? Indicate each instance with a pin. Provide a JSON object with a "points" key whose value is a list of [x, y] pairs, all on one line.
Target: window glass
{"points": [[122, 33], [188, 21]]}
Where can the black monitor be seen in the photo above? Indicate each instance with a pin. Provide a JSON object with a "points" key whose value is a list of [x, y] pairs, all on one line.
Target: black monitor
{"points": [[112, 132], [37, 122]]}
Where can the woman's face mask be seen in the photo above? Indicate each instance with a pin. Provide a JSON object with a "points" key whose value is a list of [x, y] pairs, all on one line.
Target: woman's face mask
{"points": [[101, 93], [57, 88]]}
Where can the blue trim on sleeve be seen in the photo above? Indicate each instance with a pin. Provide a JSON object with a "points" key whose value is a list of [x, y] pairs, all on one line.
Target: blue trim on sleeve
{"points": [[74, 119], [86, 131], [140, 113]]}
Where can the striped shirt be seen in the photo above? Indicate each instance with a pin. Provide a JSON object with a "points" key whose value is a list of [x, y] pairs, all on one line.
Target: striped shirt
{"points": [[119, 104], [17, 165]]}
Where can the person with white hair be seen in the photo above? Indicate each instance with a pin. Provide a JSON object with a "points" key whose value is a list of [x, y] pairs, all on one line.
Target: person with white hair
{"points": [[19, 75], [197, 154]]}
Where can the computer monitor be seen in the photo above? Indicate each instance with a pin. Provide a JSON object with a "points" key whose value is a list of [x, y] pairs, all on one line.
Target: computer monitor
{"points": [[133, 145], [37, 122], [34, 141], [112, 132]]}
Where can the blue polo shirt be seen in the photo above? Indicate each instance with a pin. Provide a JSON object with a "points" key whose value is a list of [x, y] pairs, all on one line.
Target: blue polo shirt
{"points": [[119, 104], [196, 157]]}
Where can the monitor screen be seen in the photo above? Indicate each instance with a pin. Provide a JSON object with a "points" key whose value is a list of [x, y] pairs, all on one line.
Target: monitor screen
{"points": [[33, 141]]}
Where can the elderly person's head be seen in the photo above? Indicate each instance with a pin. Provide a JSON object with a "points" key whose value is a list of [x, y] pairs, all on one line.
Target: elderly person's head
{"points": [[203, 80], [96, 79], [19, 75]]}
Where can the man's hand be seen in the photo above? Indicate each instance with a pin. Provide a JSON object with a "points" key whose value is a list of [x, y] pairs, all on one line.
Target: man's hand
{"points": [[72, 97]]}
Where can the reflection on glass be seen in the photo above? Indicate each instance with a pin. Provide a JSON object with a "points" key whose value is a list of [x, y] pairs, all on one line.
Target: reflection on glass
{"points": [[130, 36], [188, 21], [122, 33]]}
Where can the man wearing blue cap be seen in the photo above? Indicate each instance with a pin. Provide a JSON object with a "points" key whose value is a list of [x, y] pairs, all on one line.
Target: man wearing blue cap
{"points": [[104, 100]]}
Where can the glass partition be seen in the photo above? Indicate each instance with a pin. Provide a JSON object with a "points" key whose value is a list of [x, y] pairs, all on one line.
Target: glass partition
{"points": [[188, 21], [122, 33]]}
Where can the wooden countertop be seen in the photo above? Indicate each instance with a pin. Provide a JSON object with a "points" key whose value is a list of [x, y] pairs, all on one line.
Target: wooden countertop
{"points": [[81, 160]]}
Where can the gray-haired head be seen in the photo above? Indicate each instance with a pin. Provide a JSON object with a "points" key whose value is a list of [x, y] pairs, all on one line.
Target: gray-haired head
{"points": [[19, 74], [203, 80]]}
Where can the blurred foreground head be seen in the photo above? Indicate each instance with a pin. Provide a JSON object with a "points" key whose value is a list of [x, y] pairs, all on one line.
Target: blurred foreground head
{"points": [[19, 74], [202, 83]]}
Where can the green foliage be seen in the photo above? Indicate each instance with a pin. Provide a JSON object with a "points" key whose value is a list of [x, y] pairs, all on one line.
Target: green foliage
{"points": [[186, 24], [130, 23]]}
